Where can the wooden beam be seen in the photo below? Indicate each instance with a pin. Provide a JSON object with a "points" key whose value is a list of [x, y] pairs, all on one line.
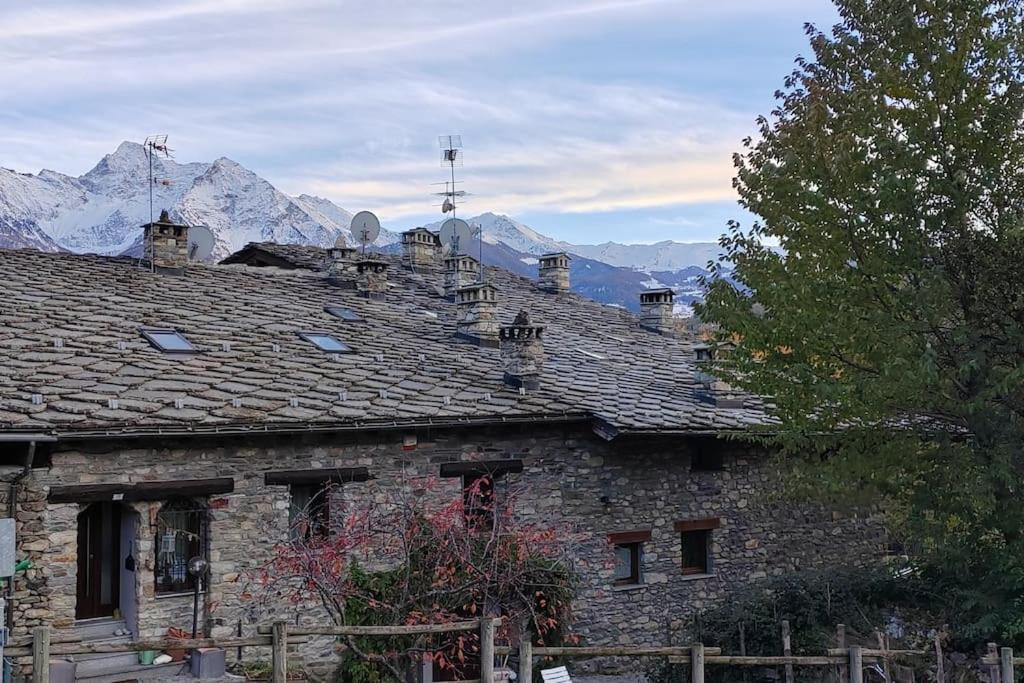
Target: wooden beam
{"points": [[629, 536], [620, 651], [279, 653], [338, 475], [143, 490], [698, 524], [380, 630], [495, 468], [41, 654]]}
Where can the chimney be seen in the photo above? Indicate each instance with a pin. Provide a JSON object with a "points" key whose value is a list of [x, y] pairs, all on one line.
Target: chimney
{"points": [[656, 310], [372, 278], [340, 265], [421, 249], [554, 272], [522, 352], [477, 314], [165, 244], [709, 388], [460, 270]]}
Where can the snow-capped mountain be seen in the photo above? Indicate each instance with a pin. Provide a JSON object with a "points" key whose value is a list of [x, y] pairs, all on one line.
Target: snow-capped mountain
{"points": [[102, 210]]}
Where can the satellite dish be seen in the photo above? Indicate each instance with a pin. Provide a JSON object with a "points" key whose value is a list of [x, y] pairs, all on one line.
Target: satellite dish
{"points": [[365, 228], [200, 243], [456, 235]]}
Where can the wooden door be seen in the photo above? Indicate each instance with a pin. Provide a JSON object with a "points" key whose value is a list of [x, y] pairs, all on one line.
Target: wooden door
{"points": [[99, 566]]}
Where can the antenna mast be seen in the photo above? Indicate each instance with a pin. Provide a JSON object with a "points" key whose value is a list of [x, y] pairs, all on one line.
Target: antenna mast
{"points": [[154, 145], [451, 157]]}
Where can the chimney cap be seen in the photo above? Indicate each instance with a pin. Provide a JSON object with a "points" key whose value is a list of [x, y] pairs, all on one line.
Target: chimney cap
{"points": [[555, 254], [656, 295]]}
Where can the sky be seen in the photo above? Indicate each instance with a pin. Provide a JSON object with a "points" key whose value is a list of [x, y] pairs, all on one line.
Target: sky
{"points": [[589, 120]]}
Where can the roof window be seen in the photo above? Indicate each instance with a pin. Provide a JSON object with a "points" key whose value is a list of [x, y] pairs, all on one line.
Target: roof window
{"points": [[345, 314], [325, 342], [167, 340]]}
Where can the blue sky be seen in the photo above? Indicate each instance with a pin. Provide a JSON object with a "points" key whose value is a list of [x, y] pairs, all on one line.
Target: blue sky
{"points": [[590, 120]]}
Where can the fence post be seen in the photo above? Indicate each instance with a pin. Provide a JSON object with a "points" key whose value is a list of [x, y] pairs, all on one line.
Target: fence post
{"points": [[940, 667], [787, 649], [841, 643], [486, 650], [856, 664], [993, 667], [41, 654], [883, 645], [279, 652], [526, 659], [1006, 664], [697, 663]]}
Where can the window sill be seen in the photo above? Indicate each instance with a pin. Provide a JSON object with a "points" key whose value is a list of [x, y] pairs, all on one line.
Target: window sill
{"points": [[697, 577], [179, 594], [625, 587]]}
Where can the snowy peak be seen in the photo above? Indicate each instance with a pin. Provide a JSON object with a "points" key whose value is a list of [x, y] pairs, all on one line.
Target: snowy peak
{"points": [[102, 211]]}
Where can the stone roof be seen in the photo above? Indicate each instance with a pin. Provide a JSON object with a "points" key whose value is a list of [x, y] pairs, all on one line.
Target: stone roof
{"points": [[72, 359]]}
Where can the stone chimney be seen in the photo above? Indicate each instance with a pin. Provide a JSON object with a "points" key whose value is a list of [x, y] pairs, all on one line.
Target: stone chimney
{"points": [[340, 265], [710, 389], [554, 272], [477, 314], [522, 352], [164, 243], [372, 277], [460, 270], [421, 249], [656, 310]]}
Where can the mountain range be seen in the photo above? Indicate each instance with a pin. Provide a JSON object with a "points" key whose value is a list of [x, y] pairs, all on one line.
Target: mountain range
{"points": [[102, 211]]}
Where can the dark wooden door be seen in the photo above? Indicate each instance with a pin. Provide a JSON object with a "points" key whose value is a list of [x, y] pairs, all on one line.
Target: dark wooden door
{"points": [[99, 567]]}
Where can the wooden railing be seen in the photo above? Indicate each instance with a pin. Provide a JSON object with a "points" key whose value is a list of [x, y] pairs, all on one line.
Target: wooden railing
{"points": [[849, 660]]}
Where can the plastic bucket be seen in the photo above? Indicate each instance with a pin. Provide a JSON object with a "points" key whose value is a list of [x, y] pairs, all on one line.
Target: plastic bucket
{"points": [[146, 657]]}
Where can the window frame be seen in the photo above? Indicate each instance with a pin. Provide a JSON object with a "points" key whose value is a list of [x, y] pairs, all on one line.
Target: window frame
{"points": [[189, 506], [320, 499], [343, 313], [701, 529], [151, 335], [311, 336], [634, 542]]}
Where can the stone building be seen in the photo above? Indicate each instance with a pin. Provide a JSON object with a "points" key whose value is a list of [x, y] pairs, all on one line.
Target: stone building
{"points": [[148, 416]]}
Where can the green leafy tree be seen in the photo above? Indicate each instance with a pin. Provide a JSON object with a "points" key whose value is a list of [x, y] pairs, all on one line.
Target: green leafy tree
{"points": [[880, 295]]}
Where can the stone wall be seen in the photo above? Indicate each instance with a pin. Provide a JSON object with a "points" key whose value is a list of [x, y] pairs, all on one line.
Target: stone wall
{"points": [[569, 477]]}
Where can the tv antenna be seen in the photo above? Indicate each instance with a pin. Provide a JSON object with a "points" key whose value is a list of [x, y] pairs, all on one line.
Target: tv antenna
{"points": [[456, 235], [200, 243], [451, 158], [365, 228], [154, 145]]}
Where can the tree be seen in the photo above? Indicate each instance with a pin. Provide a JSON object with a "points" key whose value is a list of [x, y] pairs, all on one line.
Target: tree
{"points": [[887, 326], [397, 557]]}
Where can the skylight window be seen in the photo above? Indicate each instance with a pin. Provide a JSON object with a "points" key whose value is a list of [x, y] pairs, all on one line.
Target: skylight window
{"points": [[168, 341], [325, 342], [345, 314]]}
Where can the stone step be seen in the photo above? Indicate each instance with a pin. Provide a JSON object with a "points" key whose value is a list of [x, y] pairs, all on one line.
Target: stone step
{"points": [[102, 663], [137, 672], [99, 629]]}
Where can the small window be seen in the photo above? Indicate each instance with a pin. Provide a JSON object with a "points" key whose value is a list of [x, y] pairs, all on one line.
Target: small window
{"points": [[627, 563], [180, 536], [345, 314], [325, 342], [695, 540], [309, 513], [695, 551], [168, 341], [478, 501]]}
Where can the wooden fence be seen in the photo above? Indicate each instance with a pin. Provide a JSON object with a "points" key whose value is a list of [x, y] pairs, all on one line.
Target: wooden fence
{"points": [[849, 661]]}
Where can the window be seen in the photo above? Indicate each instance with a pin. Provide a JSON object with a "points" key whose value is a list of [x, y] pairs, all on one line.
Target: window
{"points": [[168, 341], [478, 501], [309, 513], [180, 536], [628, 547], [695, 540], [345, 314], [325, 342]]}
